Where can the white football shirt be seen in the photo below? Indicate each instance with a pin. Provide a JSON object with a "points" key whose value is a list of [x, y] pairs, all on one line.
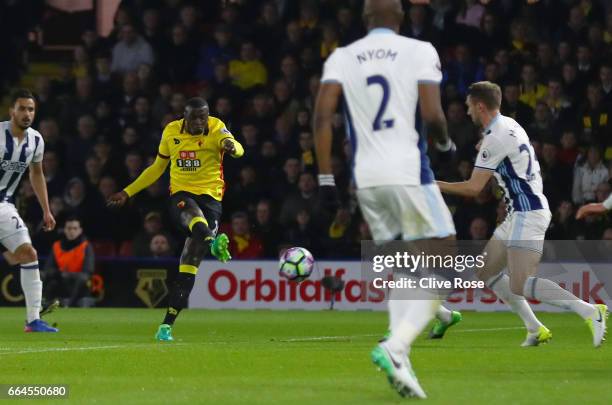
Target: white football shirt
{"points": [[506, 150], [379, 74], [17, 157]]}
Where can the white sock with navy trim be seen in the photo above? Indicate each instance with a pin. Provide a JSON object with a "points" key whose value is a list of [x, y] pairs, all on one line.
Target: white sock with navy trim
{"points": [[32, 289], [500, 284], [552, 293]]}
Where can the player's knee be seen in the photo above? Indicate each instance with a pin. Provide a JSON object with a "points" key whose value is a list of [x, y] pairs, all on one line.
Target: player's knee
{"points": [[26, 254], [194, 252]]}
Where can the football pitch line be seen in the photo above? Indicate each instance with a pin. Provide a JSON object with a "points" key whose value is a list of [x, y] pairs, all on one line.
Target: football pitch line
{"points": [[7, 352], [4, 351], [347, 337]]}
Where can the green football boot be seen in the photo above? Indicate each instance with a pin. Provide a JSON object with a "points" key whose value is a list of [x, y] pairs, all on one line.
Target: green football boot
{"points": [[219, 248], [542, 335], [439, 328], [164, 333]]}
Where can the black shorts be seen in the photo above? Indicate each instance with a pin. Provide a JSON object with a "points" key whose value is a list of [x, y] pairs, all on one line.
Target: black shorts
{"points": [[205, 204]]}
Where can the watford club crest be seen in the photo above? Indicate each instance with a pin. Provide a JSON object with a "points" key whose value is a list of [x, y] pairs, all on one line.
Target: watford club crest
{"points": [[151, 287]]}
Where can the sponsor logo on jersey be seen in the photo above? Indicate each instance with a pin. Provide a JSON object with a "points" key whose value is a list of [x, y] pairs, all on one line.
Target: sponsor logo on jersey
{"points": [[10, 166], [187, 161]]}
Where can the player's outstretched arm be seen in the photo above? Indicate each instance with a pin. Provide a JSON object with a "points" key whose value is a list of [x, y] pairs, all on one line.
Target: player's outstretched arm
{"points": [[146, 178], [594, 208], [39, 184], [325, 108], [470, 188]]}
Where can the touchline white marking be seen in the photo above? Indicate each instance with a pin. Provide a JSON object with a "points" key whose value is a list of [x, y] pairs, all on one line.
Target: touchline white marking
{"points": [[85, 348], [318, 338], [488, 329], [323, 338]]}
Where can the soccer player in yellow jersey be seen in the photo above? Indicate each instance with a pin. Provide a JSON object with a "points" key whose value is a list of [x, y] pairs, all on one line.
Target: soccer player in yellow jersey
{"points": [[194, 147]]}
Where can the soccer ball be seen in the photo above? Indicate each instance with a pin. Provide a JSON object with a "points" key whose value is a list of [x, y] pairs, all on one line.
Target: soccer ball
{"points": [[296, 264]]}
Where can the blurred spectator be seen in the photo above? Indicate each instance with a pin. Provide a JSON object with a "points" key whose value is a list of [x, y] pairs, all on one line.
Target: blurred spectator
{"points": [[302, 231], [219, 51], [248, 71], [152, 225], [542, 124], [572, 85], [267, 229], [546, 60], [460, 127], [463, 70], [69, 267], [563, 224], [587, 176], [152, 30], [178, 59], [555, 175], [584, 62], [513, 107], [55, 178], [470, 13], [131, 51], [596, 118], [329, 41], [160, 246], [558, 104], [307, 153], [569, 148], [268, 29], [246, 192], [531, 89], [221, 85], [243, 244], [304, 199]]}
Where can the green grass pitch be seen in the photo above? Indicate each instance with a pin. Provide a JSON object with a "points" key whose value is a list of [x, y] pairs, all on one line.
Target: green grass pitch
{"points": [[297, 357]]}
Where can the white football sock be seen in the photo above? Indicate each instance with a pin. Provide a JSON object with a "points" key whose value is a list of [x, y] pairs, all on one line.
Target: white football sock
{"points": [[397, 309], [551, 293], [500, 284], [32, 289], [444, 314], [416, 316]]}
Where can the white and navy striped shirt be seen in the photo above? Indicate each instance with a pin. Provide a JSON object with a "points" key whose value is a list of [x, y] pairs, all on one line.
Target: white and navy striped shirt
{"points": [[506, 150], [16, 157]]}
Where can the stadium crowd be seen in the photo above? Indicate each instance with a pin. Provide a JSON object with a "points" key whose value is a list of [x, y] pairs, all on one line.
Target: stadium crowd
{"points": [[258, 64]]}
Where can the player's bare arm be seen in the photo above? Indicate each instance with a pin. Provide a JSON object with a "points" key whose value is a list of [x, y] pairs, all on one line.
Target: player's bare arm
{"points": [[39, 184], [325, 108], [469, 188], [146, 178], [591, 209], [433, 115]]}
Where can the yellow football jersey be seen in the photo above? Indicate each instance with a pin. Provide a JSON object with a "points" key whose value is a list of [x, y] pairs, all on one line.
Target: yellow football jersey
{"points": [[196, 161]]}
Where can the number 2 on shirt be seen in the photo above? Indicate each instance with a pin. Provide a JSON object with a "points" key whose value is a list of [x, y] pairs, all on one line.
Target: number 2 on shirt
{"points": [[379, 123]]}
